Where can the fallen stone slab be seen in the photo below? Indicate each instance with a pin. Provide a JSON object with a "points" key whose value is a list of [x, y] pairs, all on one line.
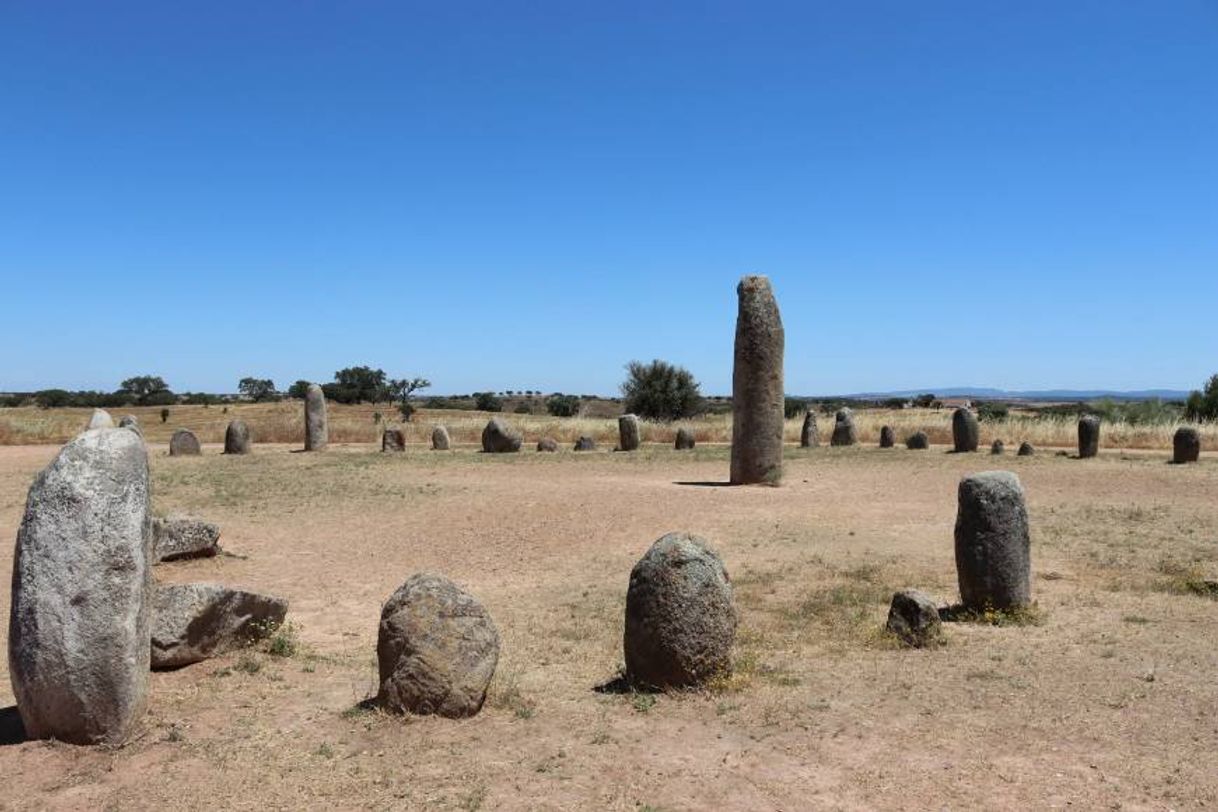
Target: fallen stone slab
{"points": [[192, 622], [178, 537]]}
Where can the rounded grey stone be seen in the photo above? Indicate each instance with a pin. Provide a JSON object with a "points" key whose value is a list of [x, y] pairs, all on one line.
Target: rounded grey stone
{"points": [[78, 623], [176, 537], [585, 443], [184, 443], [547, 444], [317, 432], [888, 437], [100, 419], [499, 438], [965, 431], [914, 617], [685, 439], [1186, 445], [680, 615], [993, 546], [998, 448], [844, 431], [628, 433], [1088, 436], [439, 439], [918, 441], [757, 387], [809, 435], [393, 440], [237, 438], [1026, 449], [436, 649]]}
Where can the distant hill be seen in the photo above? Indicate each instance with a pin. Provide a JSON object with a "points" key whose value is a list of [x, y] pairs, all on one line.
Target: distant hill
{"points": [[988, 393]]}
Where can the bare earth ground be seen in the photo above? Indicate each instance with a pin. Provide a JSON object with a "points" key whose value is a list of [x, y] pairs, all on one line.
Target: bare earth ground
{"points": [[1112, 702]]}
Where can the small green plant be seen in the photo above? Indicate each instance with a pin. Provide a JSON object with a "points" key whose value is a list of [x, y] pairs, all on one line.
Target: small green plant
{"points": [[642, 702], [283, 641], [377, 417], [324, 750], [249, 664], [1030, 615]]}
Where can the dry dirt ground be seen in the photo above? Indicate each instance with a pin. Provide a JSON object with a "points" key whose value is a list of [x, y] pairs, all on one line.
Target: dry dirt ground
{"points": [[1110, 702]]}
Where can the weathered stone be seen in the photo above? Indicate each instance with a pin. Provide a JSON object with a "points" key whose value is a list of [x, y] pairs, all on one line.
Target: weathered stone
{"points": [[914, 617], [888, 437], [439, 439], [100, 419], [498, 437], [177, 537], [1186, 445], [998, 448], [393, 440], [192, 622], [993, 547], [809, 435], [1026, 449], [547, 444], [128, 421], [844, 431], [757, 389], [237, 438], [317, 431], [685, 439], [585, 443], [437, 648], [680, 615], [184, 443], [628, 432], [965, 431], [918, 441], [78, 622], [1088, 436]]}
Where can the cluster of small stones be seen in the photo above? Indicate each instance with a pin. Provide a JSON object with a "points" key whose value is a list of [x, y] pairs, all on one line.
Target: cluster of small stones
{"points": [[87, 621], [844, 431], [757, 386]]}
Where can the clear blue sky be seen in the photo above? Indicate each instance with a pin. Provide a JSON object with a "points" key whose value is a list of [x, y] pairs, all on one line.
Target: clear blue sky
{"points": [[528, 195]]}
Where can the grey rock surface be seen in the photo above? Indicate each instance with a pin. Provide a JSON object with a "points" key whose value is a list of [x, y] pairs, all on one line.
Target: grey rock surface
{"points": [[192, 622], [177, 537], [317, 427], [993, 545], [500, 438], [758, 397]]}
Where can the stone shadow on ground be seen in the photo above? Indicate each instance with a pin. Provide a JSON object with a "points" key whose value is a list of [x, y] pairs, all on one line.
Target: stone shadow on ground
{"points": [[704, 484], [12, 731]]}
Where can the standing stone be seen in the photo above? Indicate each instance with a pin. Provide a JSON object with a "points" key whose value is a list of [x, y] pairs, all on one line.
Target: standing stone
{"points": [[191, 622], [547, 444], [499, 438], [680, 615], [128, 421], [184, 443], [237, 438], [78, 624], [1186, 445], [757, 391], [1026, 449], [685, 439], [844, 431], [918, 441], [965, 432], [585, 443], [317, 432], [993, 548], [439, 439], [393, 440], [177, 537], [1088, 436], [809, 435], [914, 618], [100, 419], [628, 433], [998, 448], [436, 649], [888, 437]]}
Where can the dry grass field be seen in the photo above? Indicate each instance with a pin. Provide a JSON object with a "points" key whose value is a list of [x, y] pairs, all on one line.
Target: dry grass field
{"points": [[1110, 702], [284, 423]]}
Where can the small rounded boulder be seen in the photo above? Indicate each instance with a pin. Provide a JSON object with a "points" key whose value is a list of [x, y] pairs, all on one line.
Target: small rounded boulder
{"points": [[680, 615]]}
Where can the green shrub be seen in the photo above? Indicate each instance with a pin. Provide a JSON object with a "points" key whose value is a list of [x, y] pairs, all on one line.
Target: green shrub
{"points": [[793, 407], [992, 411], [560, 405], [661, 391], [487, 402]]}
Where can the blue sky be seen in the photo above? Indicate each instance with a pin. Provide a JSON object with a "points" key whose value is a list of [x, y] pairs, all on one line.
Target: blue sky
{"points": [[529, 195]]}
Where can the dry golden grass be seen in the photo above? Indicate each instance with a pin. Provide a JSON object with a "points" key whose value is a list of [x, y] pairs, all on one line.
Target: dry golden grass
{"points": [[284, 423]]}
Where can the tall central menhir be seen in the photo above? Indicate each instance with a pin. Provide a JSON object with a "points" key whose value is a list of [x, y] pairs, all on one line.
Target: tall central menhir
{"points": [[757, 392]]}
